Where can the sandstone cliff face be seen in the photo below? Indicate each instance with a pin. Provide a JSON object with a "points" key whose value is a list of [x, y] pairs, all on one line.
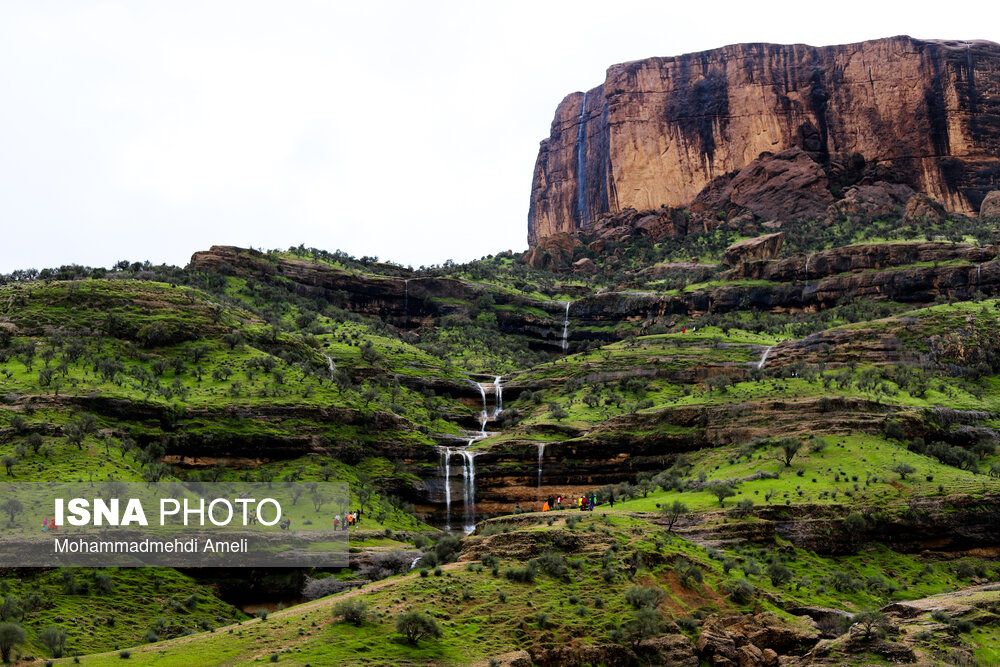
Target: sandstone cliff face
{"points": [[658, 131]]}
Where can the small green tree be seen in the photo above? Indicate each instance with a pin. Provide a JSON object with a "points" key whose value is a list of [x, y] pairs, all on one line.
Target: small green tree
{"points": [[721, 490], [903, 469], [673, 512], [646, 622], [54, 639], [789, 448], [11, 507], [9, 462], [11, 636], [872, 622], [416, 625]]}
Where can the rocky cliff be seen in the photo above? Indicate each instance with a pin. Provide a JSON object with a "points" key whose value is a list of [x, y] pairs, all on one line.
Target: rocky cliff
{"points": [[659, 131]]}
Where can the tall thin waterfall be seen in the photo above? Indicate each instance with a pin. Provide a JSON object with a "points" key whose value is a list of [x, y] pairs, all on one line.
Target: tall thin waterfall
{"points": [[482, 416], [763, 359], [329, 364], [406, 296], [498, 390], [808, 257], [469, 478], [565, 334], [446, 463], [581, 162], [979, 274], [541, 456]]}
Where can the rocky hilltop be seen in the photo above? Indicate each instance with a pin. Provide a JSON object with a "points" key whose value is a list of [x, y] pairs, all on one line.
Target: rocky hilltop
{"points": [[758, 117]]}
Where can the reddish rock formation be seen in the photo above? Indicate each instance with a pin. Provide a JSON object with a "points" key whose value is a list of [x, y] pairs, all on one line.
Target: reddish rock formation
{"points": [[761, 247], [991, 205], [658, 131]]}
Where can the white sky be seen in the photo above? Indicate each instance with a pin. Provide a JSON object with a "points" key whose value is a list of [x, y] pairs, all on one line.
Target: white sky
{"points": [[407, 130]]}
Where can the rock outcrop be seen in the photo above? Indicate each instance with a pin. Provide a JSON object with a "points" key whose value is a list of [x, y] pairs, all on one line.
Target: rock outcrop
{"points": [[990, 208], [762, 247], [658, 131]]}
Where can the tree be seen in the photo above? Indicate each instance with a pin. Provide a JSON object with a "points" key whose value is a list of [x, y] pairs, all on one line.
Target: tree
{"points": [[873, 622], [54, 639], [673, 512], [903, 469], [646, 622], [416, 625], [11, 635], [11, 507], [721, 490], [789, 448], [8, 462], [855, 522]]}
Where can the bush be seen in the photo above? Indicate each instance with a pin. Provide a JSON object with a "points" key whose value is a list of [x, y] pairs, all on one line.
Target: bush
{"points": [[644, 596], [54, 639], [417, 625], [779, 574], [124, 655], [320, 588], [524, 575], [354, 611], [741, 591], [688, 572]]}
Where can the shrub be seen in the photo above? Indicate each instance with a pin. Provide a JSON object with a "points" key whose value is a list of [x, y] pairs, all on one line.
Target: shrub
{"points": [[741, 591], [644, 596], [124, 655], [524, 575], [417, 625], [354, 611], [688, 572], [320, 588], [54, 639], [779, 574]]}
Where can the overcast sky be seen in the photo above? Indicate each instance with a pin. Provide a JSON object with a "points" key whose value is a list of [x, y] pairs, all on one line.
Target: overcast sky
{"points": [[149, 130]]}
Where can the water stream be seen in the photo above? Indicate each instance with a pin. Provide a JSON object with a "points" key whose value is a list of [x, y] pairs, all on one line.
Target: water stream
{"points": [[498, 390], [763, 359], [541, 456], [565, 332], [581, 162]]}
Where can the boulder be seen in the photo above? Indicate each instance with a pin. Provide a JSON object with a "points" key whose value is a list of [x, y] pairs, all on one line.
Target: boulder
{"points": [[990, 208], [784, 186], [921, 207], [878, 199], [552, 252], [717, 647], [585, 265], [674, 650], [761, 247]]}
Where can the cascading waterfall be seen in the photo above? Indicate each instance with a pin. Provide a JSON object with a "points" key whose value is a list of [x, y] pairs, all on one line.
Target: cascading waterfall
{"points": [[446, 464], [581, 162], [498, 390], [329, 364], [469, 477], [482, 416], [565, 333], [763, 359], [541, 456]]}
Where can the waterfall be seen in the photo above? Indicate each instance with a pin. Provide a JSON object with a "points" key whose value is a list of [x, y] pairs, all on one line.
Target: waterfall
{"points": [[767, 351], [979, 274], [415, 561], [581, 162], [808, 257], [329, 364], [498, 390], [406, 297], [565, 333], [541, 455], [469, 478], [445, 461], [482, 416]]}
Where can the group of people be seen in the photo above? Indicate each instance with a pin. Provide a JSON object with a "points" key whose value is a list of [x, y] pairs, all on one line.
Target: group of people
{"points": [[583, 503], [49, 525], [350, 520]]}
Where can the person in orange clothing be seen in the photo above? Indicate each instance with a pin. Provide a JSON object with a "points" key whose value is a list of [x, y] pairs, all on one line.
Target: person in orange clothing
{"points": [[545, 507]]}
